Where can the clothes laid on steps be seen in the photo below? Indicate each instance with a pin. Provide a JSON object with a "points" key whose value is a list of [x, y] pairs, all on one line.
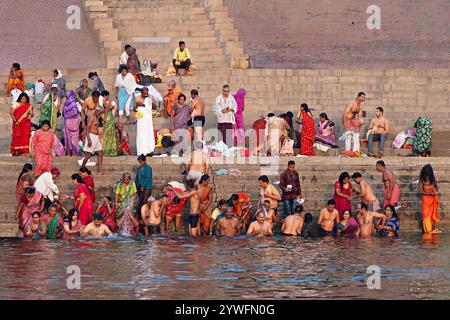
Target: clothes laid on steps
{"points": [[422, 139]]}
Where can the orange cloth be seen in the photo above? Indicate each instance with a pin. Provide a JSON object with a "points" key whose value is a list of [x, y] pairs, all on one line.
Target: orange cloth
{"points": [[171, 99], [430, 206], [17, 82]]}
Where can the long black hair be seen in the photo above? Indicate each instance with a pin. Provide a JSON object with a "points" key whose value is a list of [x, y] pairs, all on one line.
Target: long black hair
{"points": [[70, 216], [85, 170], [77, 177], [342, 176], [16, 65], [394, 212], [427, 172], [23, 94], [27, 167]]}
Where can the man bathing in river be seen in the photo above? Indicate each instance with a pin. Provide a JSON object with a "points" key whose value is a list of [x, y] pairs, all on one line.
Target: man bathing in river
{"points": [[198, 162], [194, 216], [328, 219], [365, 220], [293, 224], [96, 229], [367, 195], [391, 189], [260, 227], [228, 226], [157, 210]]}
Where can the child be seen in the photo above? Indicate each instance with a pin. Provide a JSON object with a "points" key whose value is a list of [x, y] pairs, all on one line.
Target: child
{"points": [[108, 213], [124, 147]]}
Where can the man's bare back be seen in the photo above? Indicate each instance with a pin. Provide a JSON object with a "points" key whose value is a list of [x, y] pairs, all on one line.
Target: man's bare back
{"points": [[293, 225], [156, 212], [260, 229], [199, 161], [198, 107], [388, 178], [368, 196]]}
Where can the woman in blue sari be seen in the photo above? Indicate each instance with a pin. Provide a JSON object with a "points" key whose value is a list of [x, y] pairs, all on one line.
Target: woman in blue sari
{"points": [[391, 227], [125, 87]]}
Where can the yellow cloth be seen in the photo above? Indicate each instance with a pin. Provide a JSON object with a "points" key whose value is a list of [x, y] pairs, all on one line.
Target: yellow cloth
{"points": [[182, 56]]}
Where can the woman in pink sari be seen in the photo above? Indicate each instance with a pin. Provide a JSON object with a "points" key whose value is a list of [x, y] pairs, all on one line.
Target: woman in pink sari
{"points": [[238, 127], [43, 142], [72, 226], [71, 125], [24, 181], [31, 201], [83, 201]]}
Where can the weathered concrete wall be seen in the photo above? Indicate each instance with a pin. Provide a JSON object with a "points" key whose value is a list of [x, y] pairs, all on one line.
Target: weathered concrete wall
{"points": [[333, 34]]}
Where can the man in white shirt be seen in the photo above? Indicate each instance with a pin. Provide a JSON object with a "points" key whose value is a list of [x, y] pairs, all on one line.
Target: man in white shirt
{"points": [[124, 56], [225, 107], [45, 184]]}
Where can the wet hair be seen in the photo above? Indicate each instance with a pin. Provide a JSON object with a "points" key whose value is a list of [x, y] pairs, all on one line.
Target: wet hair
{"points": [[70, 216], [298, 208], [105, 93], [194, 92], [165, 196], [91, 74], [16, 65], [342, 176], [190, 184], [204, 178], [305, 107], [181, 96], [380, 109], [26, 168], [264, 179], [361, 94], [291, 163], [98, 217], [308, 217], [381, 163], [30, 191], [364, 206], [234, 197], [221, 202], [45, 122], [427, 172], [324, 115], [394, 212], [176, 200], [356, 175], [85, 170], [36, 213], [142, 158], [109, 198], [289, 114], [331, 202], [23, 94], [96, 94], [181, 42], [77, 177]]}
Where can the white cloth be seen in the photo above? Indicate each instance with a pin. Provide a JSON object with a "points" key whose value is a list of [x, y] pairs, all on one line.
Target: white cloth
{"points": [[96, 144], [152, 91], [220, 104], [124, 58], [145, 137], [15, 93], [352, 135], [45, 185], [129, 83], [39, 87]]}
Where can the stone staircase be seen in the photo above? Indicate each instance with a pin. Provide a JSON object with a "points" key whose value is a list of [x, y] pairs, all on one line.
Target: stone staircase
{"points": [[317, 177]]}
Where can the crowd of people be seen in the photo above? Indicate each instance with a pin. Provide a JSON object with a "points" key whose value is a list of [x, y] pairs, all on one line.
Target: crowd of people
{"points": [[132, 209]]}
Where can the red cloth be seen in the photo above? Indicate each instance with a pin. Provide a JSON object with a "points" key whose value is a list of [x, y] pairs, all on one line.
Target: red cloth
{"points": [[259, 128], [342, 204], [108, 219], [20, 143], [307, 134], [42, 146], [174, 209], [85, 212], [89, 182]]}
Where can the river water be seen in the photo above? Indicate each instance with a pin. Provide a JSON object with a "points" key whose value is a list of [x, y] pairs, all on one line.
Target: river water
{"points": [[177, 267]]}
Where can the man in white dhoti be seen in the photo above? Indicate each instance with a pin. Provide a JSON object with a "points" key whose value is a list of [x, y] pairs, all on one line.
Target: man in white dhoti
{"points": [[145, 137]]}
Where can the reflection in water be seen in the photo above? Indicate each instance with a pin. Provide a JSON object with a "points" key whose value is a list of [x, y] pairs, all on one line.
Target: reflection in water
{"points": [[175, 267]]}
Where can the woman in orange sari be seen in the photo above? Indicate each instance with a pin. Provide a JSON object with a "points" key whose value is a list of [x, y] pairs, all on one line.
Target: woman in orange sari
{"points": [[21, 114], [42, 142], [307, 135], [429, 189], [15, 78], [24, 181]]}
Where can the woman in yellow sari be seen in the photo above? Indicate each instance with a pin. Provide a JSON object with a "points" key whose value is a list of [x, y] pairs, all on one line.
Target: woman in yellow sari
{"points": [[15, 78], [429, 189]]}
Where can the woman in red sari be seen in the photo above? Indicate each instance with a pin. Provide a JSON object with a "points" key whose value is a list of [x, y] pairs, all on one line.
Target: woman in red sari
{"points": [[21, 114], [42, 142], [83, 201], [88, 180], [307, 135], [343, 195]]}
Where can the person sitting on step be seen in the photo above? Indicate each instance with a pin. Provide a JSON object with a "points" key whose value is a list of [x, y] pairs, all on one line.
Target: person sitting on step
{"points": [[181, 58]]}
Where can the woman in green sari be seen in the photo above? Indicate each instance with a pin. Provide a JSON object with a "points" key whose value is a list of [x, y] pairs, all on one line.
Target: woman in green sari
{"points": [[125, 196], [109, 130], [54, 227], [50, 107]]}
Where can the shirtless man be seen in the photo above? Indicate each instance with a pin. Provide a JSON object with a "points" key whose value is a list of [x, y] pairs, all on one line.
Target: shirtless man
{"points": [[365, 220], [367, 195], [391, 189], [157, 214], [197, 123], [140, 98], [194, 216], [199, 163], [269, 213], [228, 226], [379, 128], [260, 227], [88, 107], [329, 218], [293, 224], [353, 120], [206, 198], [145, 214], [92, 142], [268, 192], [96, 228]]}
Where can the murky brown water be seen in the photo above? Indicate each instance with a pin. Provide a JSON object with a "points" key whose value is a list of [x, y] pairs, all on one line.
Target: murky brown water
{"points": [[412, 267]]}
